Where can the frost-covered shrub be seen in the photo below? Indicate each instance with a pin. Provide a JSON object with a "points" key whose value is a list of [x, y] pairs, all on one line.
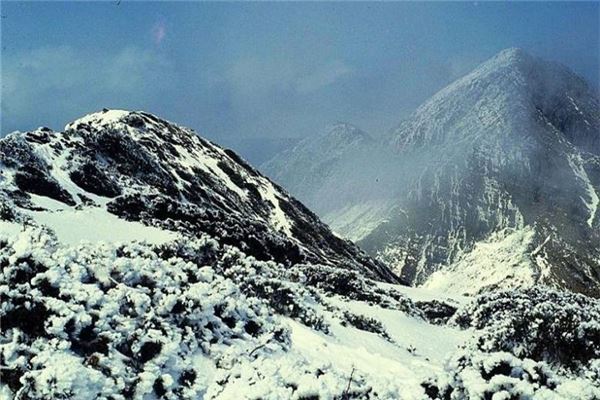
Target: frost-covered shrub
{"points": [[365, 323], [536, 343], [286, 299], [436, 312], [336, 281], [351, 285], [257, 279], [6, 209], [537, 323], [105, 320], [477, 375]]}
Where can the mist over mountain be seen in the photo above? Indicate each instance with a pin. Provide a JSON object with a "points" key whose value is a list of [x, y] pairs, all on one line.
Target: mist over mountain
{"points": [[140, 260], [493, 182], [259, 150]]}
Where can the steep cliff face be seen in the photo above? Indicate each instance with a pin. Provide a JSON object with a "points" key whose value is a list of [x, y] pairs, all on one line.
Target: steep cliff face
{"points": [[492, 182], [141, 168]]}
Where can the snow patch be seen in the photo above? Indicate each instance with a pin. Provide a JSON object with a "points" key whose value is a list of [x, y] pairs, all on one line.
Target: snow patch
{"points": [[210, 164], [426, 294], [576, 163], [501, 261], [95, 224], [9, 229], [101, 118], [278, 218]]}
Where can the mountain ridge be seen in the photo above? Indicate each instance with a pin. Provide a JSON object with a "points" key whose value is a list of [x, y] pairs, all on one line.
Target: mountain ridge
{"points": [[140, 167], [507, 154], [140, 261]]}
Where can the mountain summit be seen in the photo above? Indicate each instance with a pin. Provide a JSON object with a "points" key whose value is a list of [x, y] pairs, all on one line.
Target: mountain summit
{"points": [[493, 182], [138, 167], [511, 88]]}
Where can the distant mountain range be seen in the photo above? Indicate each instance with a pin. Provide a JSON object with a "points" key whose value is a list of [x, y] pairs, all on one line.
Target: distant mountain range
{"points": [[258, 150], [493, 182], [141, 261]]}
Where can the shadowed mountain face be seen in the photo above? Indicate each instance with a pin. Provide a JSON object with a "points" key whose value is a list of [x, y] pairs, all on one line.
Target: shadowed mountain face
{"points": [[495, 181], [142, 168]]}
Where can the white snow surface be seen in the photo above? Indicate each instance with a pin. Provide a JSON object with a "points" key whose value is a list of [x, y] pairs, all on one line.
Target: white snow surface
{"points": [[501, 261], [99, 118], [592, 200], [95, 224], [278, 218]]}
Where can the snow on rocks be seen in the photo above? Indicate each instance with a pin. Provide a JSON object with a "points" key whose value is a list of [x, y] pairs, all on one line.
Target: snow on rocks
{"points": [[156, 173], [500, 261]]}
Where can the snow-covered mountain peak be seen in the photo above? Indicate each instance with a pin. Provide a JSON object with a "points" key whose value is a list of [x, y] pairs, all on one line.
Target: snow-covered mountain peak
{"points": [[136, 124], [517, 72], [101, 118], [510, 91], [344, 132], [139, 167], [512, 56]]}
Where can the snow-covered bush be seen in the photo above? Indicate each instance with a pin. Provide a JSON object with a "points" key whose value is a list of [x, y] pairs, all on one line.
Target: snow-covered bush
{"points": [[477, 375], [257, 279], [435, 311], [537, 323], [118, 320], [365, 323], [351, 285], [536, 343]]}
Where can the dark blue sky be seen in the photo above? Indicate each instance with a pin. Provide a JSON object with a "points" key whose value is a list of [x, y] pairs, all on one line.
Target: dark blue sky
{"points": [[233, 70]]}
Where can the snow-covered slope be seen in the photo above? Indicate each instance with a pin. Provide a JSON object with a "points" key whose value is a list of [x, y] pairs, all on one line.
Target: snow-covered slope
{"points": [[141, 168], [139, 261], [195, 319], [493, 182]]}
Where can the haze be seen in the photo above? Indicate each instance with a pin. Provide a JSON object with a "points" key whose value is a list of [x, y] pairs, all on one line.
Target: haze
{"points": [[250, 73]]}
